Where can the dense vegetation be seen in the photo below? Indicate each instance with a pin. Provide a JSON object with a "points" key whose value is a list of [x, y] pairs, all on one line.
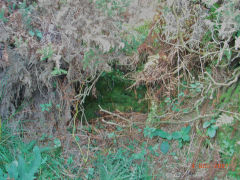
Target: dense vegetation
{"points": [[103, 89]]}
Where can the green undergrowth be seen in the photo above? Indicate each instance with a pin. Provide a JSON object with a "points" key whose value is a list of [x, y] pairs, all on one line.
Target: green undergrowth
{"points": [[228, 134], [175, 103], [133, 40], [112, 94], [28, 161], [121, 164], [231, 98], [230, 148]]}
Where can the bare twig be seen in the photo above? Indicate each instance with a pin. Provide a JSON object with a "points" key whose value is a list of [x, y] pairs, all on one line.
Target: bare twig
{"points": [[112, 123], [223, 84], [108, 112]]}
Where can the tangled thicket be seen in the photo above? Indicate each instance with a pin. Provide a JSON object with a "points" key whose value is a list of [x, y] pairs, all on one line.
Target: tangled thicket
{"points": [[185, 39], [54, 52]]}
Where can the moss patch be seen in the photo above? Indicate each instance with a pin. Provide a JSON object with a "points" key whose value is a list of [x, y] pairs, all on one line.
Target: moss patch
{"points": [[112, 95]]}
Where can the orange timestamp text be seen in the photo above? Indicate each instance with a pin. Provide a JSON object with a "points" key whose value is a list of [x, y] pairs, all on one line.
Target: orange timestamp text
{"points": [[210, 165]]}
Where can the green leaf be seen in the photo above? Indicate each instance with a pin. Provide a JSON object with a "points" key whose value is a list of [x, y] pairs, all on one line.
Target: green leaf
{"points": [[176, 135], [70, 160], [174, 108], [29, 146], [3, 176], [111, 135], [90, 173], [193, 86], [167, 100], [31, 33], [180, 145], [12, 170], [211, 132], [57, 143], [206, 124], [186, 137], [237, 19], [161, 134], [36, 163], [39, 34], [57, 71], [77, 138], [213, 121], [148, 132], [164, 147], [186, 130], [140, 155], [169, 137], [181, 94], [2, 15], [155, 147], [88, 56], [214, 127], [214, 7]]}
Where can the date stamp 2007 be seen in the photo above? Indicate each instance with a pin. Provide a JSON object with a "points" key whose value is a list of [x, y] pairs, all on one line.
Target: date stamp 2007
{"points": [[209, 165]]}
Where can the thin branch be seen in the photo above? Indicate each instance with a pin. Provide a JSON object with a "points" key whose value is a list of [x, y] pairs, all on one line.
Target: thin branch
{"points": [[111, 123], [223, 84], [108, 112]]}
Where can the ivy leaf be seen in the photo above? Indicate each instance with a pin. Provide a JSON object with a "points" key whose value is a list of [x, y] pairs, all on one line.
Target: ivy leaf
{"points": [[31, 33], [169, 137], [149, 132], [206, 124], [176, 135], [185, 137], [180, 145], [211, 132], [39, 34], [164, 147], [161, 133], [214, 127], [213, 121], [186, 130]]}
